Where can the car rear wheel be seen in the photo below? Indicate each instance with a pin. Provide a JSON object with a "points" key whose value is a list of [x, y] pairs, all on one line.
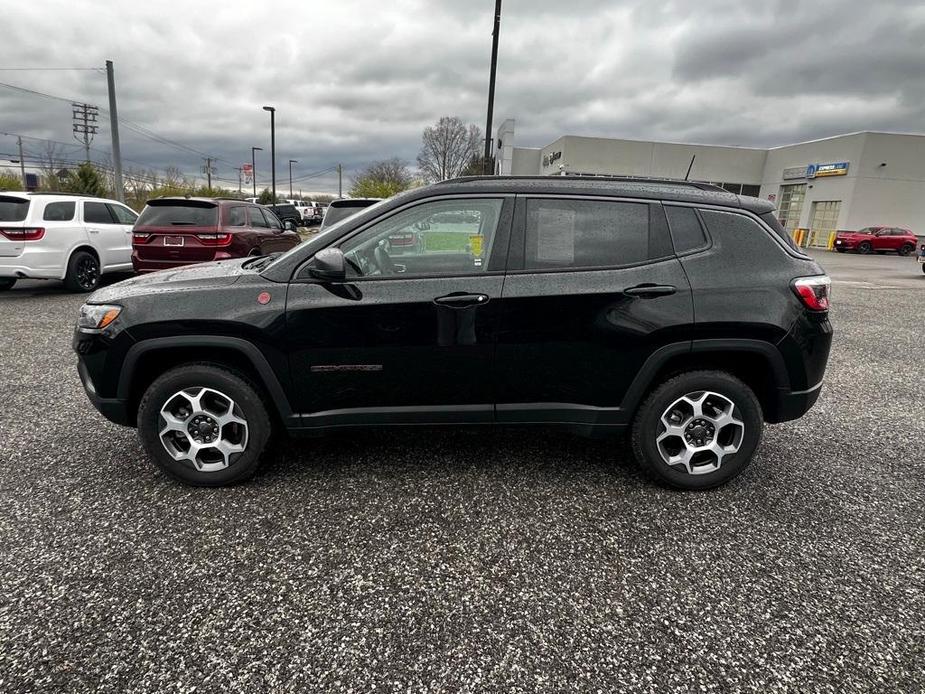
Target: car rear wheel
{"points": [[906, 249], [7, 283], [864, 247], [204, 425], [697, 430], [83, 272]]}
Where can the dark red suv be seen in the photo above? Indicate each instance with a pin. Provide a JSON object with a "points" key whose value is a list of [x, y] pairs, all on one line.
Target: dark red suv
{"points": [[172, 232], [876, 240]]}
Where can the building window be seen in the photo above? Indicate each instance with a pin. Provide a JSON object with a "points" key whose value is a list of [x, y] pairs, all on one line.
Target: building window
{"points": [[790, 205]]}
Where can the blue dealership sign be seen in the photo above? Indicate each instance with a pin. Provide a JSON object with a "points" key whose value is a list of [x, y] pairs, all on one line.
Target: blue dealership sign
{"points": [[839, 168]]}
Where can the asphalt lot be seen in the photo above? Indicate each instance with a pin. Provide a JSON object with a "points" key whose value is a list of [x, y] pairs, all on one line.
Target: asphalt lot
{"points": [[471, 561]]}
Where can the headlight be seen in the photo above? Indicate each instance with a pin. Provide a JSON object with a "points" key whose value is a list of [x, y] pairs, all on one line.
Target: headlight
{"points": [[94, 317]]}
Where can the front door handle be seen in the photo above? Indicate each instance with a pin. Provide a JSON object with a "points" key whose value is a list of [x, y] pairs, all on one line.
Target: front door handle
{"points": [[650, 291], [461, 300]]}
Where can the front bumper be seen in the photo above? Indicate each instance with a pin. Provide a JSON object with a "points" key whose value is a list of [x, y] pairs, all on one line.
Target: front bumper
{"points": [[114, 409]]}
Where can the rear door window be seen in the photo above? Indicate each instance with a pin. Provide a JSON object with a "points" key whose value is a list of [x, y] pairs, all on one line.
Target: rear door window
{"points": [[97, 213], [180, 214], [59, 211], [13, 209], [585, 233]]}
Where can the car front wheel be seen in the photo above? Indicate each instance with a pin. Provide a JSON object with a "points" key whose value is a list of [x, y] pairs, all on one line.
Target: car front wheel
{"points": [[7, 283], [204, 425], [864, 247], [697, 430]]}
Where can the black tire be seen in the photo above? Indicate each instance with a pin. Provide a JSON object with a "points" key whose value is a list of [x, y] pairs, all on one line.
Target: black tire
{"points": [[864, 247], [906, 249], [247, 401], [647, 426], [7, 283], [840, 250], [83, 272]]}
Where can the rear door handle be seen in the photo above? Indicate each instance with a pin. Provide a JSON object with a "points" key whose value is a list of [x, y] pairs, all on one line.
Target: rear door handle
{"points": [[650, 291], [461, 300]]}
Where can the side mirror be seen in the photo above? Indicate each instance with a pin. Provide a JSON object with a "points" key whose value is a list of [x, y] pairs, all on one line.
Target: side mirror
{"points": [[289, 225], [328, 265]]}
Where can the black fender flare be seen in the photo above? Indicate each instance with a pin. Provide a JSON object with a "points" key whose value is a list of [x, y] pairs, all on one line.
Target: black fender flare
{"points": [[244, 347], [643, 380]]}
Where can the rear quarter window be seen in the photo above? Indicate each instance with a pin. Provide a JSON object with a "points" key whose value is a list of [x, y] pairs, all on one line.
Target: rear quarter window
{"points": [[686, 231], [773, 222], [13, 209], [59, 211]]}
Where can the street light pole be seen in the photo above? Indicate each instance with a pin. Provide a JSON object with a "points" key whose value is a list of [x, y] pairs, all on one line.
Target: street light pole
{"points": [[291, 162], [254, 167], [272, 111], [489, 138]]}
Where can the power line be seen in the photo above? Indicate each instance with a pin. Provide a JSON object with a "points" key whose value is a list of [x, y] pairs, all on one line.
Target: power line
{"points": [[131, 125], [36, 69]]}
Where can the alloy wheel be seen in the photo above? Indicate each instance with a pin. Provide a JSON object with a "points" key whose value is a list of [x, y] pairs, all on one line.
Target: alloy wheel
{"points": [[204, 427], [88, 272], [698, 431]]}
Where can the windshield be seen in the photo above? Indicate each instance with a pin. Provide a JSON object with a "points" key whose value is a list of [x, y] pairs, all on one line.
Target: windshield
{"points": [[13, 209], [324, 233], [179, 214]]}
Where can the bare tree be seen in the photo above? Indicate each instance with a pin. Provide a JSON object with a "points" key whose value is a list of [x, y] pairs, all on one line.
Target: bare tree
{"points": [[51, 163], [382, 179], [447, 148]]}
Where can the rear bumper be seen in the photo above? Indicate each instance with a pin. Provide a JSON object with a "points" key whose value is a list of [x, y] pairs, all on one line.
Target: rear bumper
{"points": [[794, 404], [35, 262], [113, 409], [143, 265]]}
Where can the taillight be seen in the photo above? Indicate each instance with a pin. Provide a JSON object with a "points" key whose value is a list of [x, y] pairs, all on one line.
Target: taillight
{"points": [[813, 292], [24, 234], [214, 239], [139, 237]]}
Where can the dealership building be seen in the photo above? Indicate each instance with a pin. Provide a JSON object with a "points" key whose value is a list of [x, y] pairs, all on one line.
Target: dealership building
{"points": [[841, 182]]}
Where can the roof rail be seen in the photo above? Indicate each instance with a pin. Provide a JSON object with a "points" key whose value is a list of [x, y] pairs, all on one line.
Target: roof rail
{"points": [[621, 179], [53, 192]]}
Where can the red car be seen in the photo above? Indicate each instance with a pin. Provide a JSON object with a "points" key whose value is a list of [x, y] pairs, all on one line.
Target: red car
{"points": [[876, 240], [172, 232]]}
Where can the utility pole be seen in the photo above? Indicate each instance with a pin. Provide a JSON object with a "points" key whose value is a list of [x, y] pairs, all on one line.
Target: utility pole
{"points": [[272, 111], [85, 118], [239, 170], [207, 170], [254, 150], [114, 129], [291, 162], [22, 165], [489, 138], [340, 181]]}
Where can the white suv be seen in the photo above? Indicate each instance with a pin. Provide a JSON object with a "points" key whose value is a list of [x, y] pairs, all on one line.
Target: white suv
{"points": [[67, 237]]}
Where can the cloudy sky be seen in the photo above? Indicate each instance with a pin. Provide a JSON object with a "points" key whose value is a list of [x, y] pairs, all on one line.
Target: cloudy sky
{"points": [[354, 81]]}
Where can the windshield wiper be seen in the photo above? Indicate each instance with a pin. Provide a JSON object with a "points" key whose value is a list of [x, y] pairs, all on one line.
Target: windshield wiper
{"points": [[261, 262]]}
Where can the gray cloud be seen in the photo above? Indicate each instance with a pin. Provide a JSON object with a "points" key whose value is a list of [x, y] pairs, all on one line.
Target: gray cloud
{"points": [[355, 81]]}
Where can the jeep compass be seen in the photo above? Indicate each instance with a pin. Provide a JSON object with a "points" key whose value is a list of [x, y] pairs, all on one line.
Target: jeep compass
{"points": [[677, 311]]}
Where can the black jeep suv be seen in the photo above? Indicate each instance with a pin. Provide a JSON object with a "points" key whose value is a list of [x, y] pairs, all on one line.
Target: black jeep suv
{"points": [[678, 310]]}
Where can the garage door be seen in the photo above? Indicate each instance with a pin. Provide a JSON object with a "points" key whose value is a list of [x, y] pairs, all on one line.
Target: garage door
{"points": [[822, 223]]}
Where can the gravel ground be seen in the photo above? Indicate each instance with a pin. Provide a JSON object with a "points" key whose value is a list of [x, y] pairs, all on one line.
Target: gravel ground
{"points": [[466, 561]]}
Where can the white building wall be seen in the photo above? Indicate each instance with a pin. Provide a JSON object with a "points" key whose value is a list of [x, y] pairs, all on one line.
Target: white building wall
{"points": [[893, 194], [593, 155], [845, 148], [525, 161], [504, 148]]}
